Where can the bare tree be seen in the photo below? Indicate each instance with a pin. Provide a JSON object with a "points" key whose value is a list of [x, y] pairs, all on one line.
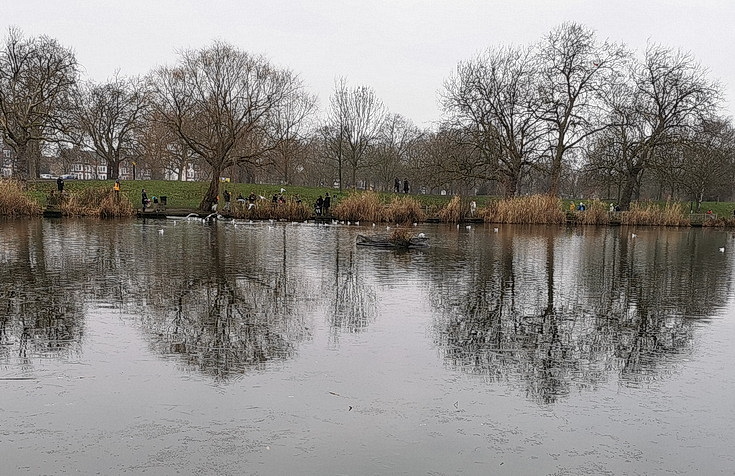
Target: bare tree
{"points": [[353, 124], [574, 73], [220, 101], [495, 98], [36, 78], [288, 125], [394, 149], [110, 118], [664, 97]]}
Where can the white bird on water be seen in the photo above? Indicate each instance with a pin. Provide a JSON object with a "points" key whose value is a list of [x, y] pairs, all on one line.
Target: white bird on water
{"points": [[495, 230], [633, 235], [722, 250], [160, 232]]}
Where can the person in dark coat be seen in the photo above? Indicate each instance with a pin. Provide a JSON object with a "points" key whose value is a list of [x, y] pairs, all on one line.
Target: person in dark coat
{"points": [[60, 184], [318, 205], [327, 203], [144, 199], [397, 186], [405, 186]]}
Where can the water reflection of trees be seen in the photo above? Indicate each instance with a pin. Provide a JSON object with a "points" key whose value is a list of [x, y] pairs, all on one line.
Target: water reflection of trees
{"points": [[226, 315], [41, 312], [561, 312]]}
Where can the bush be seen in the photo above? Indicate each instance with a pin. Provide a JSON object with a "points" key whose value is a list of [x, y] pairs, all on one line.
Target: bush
{"points": [[99, 202]]}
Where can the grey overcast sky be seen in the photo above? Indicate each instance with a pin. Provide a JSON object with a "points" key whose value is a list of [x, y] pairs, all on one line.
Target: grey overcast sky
{"points": [[403, 49]]}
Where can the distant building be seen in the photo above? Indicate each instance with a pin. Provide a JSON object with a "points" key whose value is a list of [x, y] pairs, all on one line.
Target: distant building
{"points": [[7, 159]]}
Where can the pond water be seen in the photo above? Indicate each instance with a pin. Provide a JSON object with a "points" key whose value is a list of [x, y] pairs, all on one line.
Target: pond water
{"points": [[180, 347]]}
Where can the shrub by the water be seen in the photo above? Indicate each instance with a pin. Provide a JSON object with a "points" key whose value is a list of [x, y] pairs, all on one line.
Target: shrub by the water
{"points": [[533, 209], [14, 201]]}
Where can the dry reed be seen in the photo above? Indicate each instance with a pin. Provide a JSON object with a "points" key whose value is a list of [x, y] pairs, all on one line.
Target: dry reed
{"points": [[533, 209], [452, 212], [99, 202], [671, 214], [14, 202], [359, 207], [404, 210], [595, 213]]}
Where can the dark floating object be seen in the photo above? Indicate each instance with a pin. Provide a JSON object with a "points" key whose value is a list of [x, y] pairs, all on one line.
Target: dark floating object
{"points": [[418, 241]]}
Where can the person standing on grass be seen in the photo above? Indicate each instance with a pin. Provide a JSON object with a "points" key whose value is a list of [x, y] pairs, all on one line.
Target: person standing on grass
{"points": [[327, 203], [397, 185], [318, 206], [144, 199], [405, 186], [227, 196], [60, 184], [116, 189]]}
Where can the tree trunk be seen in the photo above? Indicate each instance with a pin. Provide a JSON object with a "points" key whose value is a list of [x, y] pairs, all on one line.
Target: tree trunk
{"points": [[210, 198], [629, 188]]}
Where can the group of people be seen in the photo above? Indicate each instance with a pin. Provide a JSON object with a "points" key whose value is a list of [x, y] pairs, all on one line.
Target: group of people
{"points": [[321, 207], [397, 186]]}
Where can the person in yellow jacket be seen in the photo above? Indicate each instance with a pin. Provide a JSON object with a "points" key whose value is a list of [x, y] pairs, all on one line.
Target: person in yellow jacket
{"points": [[116, 188]]}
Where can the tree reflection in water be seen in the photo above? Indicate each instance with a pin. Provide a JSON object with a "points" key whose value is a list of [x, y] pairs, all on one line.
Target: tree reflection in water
{"points": [[40, 306], [222, 320], [561, 312]]}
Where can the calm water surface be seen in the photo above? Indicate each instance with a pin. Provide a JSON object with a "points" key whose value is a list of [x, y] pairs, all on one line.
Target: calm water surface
{"points": [[177, 347]]}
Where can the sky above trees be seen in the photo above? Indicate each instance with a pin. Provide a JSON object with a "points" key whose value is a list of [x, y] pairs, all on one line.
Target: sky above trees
{"points": [[404, 50]]}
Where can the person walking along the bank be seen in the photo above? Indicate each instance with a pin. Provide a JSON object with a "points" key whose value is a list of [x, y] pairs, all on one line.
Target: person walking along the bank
{"points": [[60, 184]]}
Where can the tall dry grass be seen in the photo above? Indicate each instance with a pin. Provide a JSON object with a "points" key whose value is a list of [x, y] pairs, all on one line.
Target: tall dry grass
{"points": [[596, 213], [532, 209], [364, 206], [404, 210], [647, 213], [95, 202], [264, 210], [14, 202], [452, 212]]}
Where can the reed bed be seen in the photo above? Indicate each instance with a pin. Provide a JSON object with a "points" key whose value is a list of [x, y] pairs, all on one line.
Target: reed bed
{"points": [[671, 214], [364, 206], [533, 209], [596, 213], [404, 210], [289, 211], [99, 202], [452, 212], [14, 201]]}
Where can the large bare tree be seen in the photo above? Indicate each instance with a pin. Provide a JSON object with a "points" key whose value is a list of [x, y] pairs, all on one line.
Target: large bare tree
{"points": [[495, 98], [353, 124], [663, 98], [575, 72], [220, 101], [37, 76], [110, 118]]}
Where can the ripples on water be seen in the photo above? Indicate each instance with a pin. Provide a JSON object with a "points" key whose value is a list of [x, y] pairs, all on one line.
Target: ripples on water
{"points": [[257, 347]]}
